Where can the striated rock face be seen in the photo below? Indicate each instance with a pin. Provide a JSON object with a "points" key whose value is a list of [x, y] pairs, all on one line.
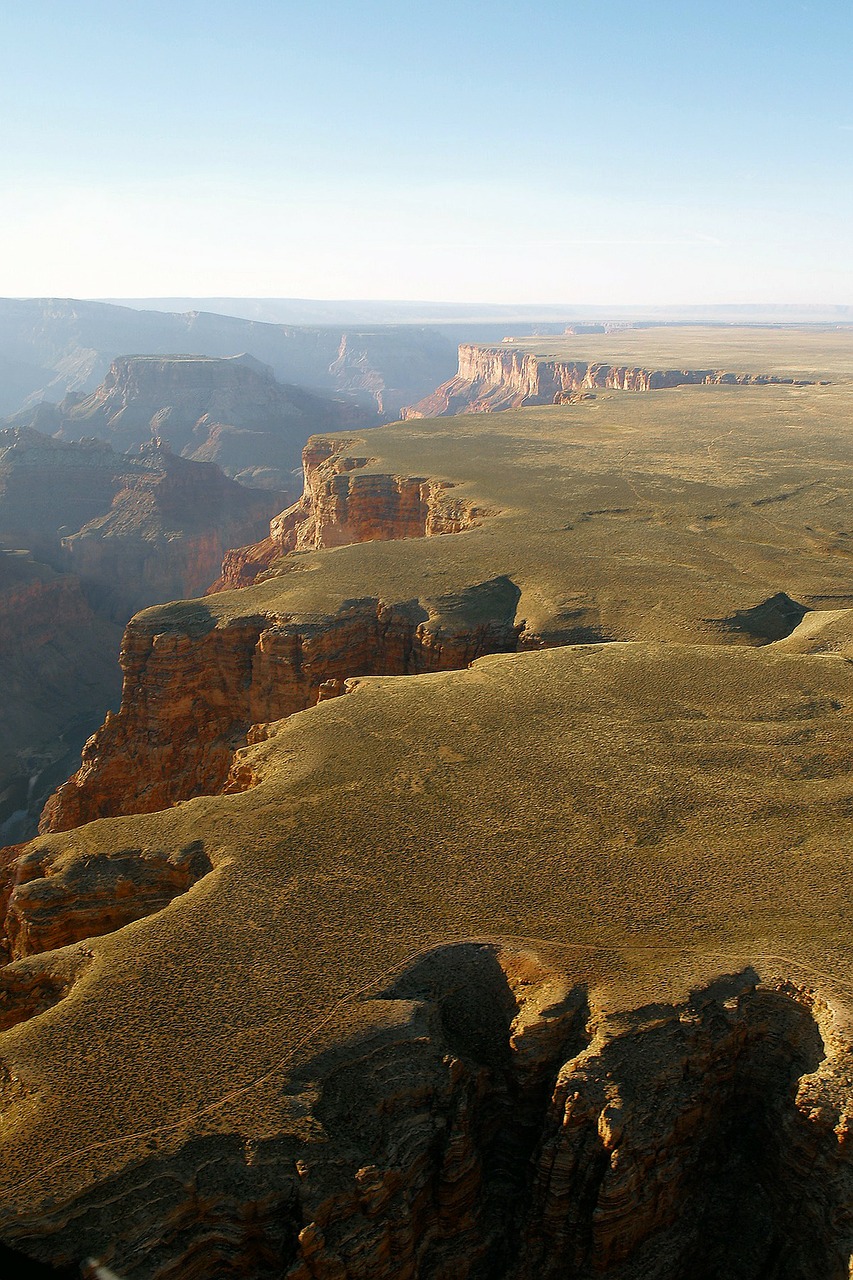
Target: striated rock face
{"points": [[189, 699], [688, 1143], [494, 1126], [492, 378], [339, 507], [48, 487], [55, 901]]}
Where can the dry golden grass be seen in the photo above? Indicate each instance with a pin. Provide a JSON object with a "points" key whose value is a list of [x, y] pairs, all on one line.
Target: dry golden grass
{"points": [[647, 812]]}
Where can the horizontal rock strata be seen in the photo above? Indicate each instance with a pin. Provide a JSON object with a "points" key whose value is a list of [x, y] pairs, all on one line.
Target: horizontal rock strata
{"points": [[55, 902], [503, 1129], [489, 379], [340, 506], [189, 699]]}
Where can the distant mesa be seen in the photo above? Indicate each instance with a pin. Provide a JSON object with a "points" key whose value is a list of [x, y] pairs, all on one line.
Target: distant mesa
{"points": [[489, 379], [49, 347], [229, 411]]}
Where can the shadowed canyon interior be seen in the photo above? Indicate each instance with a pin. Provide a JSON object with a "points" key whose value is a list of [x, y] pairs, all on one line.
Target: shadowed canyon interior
{"points": [[531, 963]]}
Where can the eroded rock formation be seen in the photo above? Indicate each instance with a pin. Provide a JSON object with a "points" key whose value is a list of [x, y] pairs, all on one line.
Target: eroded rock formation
{"points": [[135, 529], [164, 533], [489, 379], [229, 411], [191, 693], [55, 901], [51, 346], [499, 1124], [340, 506]]}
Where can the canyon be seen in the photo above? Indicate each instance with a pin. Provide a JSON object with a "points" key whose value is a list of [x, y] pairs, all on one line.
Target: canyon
{"points": [[52, 346], [229, 411], [88, 536], [410, 835]]}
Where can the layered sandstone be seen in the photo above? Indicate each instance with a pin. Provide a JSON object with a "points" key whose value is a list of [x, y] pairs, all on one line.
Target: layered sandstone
{"points": [[56, 901], [490, 379], [52, 346], [505, 1128], [339, 507], [190, 695], [533, 969]]}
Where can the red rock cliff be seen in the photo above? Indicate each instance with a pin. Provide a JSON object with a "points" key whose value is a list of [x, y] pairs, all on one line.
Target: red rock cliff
{"points": [[493, 378], [494, 1124], [189, 698], [340, 506]]}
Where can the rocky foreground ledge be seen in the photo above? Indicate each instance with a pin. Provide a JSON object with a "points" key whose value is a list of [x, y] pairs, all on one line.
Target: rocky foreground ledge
{"points": [[633, 1061]]}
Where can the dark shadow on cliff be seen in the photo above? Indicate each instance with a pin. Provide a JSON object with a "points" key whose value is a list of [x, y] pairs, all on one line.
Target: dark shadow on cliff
{"points": [[772, 619], [17, 1266]]}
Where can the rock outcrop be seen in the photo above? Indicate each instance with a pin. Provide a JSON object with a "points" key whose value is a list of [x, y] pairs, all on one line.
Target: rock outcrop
{"points": [[341, 505], [53, 902], [191, 693], [489, 379], [496, 1126]]}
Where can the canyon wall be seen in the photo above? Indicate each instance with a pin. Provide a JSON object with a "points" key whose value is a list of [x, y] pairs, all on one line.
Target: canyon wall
{"points": [[489, 379], [229, 411], [165, 532], [190, 694], [57, 677], [189, 698], [507, 1130], [339, 507]]}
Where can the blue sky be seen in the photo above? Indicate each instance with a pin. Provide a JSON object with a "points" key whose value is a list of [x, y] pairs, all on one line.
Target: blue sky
{"points": [[654, 152]]}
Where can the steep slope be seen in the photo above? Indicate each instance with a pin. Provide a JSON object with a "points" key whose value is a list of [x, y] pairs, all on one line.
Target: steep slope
{"points": [[165, 531]]}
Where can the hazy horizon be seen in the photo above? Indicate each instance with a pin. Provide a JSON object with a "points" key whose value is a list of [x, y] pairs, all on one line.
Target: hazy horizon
{"points": [[499, 154]]}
